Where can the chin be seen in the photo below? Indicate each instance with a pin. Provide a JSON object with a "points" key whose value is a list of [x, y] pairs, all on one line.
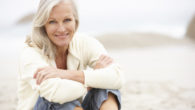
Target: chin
{"points": [[64, 44]]}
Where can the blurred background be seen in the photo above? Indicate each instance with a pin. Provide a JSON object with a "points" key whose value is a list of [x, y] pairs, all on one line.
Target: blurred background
{"points": [[152, 40]]}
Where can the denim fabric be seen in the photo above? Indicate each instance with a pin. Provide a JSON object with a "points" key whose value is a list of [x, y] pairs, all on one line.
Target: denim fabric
{"points": [[95, 97], [43, 104], [92, 101]]}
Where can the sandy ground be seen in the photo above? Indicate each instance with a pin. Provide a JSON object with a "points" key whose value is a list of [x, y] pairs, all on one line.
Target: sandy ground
{"points": [[158, 78], [159, 72]]}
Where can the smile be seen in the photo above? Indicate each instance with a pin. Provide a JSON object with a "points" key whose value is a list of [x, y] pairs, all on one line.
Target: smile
{"points": [[62, 36]]}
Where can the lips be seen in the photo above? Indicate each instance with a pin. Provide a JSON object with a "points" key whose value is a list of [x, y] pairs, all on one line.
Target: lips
{"points": [[62, 36]]}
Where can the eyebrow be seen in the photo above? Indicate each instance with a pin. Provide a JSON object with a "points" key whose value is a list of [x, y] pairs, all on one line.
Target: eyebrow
{"points": [[67, 16]]}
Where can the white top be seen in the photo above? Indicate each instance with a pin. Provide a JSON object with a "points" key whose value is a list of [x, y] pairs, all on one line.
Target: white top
{"points": [[83, 51]]}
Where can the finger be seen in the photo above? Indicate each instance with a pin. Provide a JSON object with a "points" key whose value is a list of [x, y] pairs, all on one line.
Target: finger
{"points": [[38, 70], [39, 80], [42, 73], [110, 61], [37, 77], [104, 57], [44, 78], [107, 61], [101, 58], [47, 76], [48, 73]]}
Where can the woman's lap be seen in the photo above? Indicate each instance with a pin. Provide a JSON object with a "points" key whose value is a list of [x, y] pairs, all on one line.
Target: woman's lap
{"points": [[92, 101], [43, 104]]}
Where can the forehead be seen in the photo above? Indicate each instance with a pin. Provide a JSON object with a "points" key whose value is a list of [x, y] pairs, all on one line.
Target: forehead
{"points": [[62, 9]]}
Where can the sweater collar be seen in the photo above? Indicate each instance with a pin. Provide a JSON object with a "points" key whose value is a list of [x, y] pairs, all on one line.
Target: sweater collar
{"points": [[73, 60]]}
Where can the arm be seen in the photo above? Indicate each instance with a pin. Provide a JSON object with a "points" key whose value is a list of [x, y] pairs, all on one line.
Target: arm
{"points": [[45, 73], [109, 77], [105, 78], [54, 89], [89, 51]]}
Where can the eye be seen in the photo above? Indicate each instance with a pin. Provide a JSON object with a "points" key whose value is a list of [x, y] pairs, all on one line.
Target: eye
{"points": [[67, 20], [52, 22]]}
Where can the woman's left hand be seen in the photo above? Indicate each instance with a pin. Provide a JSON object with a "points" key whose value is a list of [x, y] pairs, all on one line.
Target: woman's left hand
{"points": [[46, 73]]}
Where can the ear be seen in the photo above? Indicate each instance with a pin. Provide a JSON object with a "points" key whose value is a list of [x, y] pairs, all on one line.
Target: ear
{"points": [[44, 30]]}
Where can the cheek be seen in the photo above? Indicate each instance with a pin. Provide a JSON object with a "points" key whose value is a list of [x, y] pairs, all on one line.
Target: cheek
{"points": [[73, 27], [50, 30]]}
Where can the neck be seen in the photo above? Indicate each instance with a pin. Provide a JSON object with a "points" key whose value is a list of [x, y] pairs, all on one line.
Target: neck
{"points": [[61, 51]]}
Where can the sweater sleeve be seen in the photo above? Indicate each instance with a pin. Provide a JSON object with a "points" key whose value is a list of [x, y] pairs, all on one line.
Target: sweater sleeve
{"points": [[54, 89], [105, 78]]}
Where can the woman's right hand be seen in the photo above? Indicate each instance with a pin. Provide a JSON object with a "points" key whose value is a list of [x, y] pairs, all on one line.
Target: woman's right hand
{"points": [[46, 73], [103, 62]]}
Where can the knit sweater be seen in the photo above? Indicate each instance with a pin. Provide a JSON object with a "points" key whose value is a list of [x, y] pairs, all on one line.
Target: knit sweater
{"points": [[83, 52]]}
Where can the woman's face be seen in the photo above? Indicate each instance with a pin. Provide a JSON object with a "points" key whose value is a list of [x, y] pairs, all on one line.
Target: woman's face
{"points": [[60, 26]]}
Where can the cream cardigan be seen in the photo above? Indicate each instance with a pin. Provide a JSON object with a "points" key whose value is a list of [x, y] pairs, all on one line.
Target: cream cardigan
{"points": [[83, 51]]}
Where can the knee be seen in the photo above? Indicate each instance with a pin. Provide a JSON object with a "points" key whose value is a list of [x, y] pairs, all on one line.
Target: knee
{"points": [[78, 108], [110, 103], [102, 98]]}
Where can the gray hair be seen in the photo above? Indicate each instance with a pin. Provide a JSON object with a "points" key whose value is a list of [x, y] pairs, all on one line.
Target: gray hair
{"points": [[39, 37]]}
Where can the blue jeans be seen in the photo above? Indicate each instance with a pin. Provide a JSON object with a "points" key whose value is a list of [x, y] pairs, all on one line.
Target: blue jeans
{"points": [[92, 101]]}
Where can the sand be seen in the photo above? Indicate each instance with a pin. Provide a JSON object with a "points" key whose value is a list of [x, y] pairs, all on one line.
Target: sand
{"points": [[159, 72]]}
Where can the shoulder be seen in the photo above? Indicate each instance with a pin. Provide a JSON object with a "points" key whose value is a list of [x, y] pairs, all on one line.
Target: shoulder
{"points": [[85, 40], [30, 53], [30, 50], [86, 44]]}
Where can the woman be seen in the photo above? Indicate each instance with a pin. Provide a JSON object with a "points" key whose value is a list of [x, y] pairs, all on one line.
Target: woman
{"points": [[52, 71]]}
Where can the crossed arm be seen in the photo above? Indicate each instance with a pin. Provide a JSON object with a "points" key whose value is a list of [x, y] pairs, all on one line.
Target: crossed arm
{"points": [[60, 86], [45, 73]]}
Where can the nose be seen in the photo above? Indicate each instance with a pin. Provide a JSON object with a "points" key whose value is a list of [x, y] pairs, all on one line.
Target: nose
{"points": [[61, 28]]}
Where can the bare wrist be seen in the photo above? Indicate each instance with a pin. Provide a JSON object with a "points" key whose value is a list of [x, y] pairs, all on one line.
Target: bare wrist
{"points": [[76, 76], [65, 74]]}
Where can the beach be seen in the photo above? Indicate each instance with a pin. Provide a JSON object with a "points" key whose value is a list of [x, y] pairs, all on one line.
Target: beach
{"points": [[153, 41], [159, 71]]}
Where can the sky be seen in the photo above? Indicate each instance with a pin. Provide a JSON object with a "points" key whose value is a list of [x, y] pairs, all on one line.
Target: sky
{"points": [[99, 16]]}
